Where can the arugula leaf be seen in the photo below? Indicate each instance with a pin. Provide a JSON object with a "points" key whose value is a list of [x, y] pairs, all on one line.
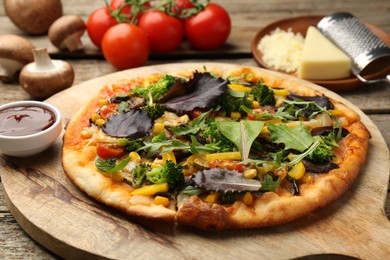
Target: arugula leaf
{"points": [[269, 184], [197, 124], [242, 133], [110, 166], [297, 138]]}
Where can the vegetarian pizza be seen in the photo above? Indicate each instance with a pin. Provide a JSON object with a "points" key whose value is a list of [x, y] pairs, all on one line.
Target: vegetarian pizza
{"points": [[214, 148]]}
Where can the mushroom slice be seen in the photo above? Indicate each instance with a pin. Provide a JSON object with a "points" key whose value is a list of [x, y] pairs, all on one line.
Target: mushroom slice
{"points": [[15, 52], [66, 31]]}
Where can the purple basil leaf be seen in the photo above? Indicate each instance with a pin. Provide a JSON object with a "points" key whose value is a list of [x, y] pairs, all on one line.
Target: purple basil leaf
{"points": [[134, 124], [205, 91], [218, 179]]}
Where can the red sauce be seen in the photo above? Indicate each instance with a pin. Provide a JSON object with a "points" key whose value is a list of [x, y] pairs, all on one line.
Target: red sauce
{"points": [[25, 120]]}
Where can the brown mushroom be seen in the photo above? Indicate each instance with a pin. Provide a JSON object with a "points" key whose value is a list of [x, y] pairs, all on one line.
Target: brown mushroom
{"points": [[44, 77], [15, 52], [33, 16], [66, 31]]}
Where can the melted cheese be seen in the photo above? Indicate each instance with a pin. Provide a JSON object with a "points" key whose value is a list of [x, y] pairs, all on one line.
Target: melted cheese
{"points": [[321, 59]]}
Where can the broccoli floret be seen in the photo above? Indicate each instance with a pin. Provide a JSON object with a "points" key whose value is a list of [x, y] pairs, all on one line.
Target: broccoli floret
{"points": [[169, 172], [154, 110], [230, 104], [211, 133], [130, 145], [138, 174], [157, 90], [323, 153], [263, 94]]}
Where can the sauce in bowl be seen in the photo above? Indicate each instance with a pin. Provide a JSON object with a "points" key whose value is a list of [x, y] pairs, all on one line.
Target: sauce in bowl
{"points": [[25, 120]]}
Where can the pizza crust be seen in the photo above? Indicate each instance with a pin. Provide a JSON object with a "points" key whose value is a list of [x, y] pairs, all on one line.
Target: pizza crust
{"points": [[268, 209]]}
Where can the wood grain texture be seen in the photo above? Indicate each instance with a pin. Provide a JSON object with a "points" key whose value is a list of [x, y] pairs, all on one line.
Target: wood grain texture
{"points": [[51, 210], [248, 17]]}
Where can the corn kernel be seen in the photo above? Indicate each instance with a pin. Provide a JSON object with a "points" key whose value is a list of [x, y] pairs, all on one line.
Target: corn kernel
{"points": [[337, 160], [85, 134], [157, 163], [95, 117], [169, 156], [239, 88], [212, 197], [307, 178], [135, 157], [250, 98], [236, 115], [250, 173], [249, 77], [158, 128], [100, 121], [160, 200], [255, 104], [247, 199], [103, 102]]}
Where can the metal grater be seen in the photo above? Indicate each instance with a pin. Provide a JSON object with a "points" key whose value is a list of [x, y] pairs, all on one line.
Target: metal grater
{"points": [[356, 40]]}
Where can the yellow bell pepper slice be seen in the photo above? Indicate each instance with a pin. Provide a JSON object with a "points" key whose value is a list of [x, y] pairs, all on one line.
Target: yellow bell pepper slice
{"points": [[169, 156], [151, 189], [297, 171], [223, 156], [239, 88]]}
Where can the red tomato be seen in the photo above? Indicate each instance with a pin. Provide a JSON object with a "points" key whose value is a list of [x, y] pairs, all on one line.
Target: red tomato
{"points": [[208, 29], [108, 110], [125, 46], [226, 164], [98, 23], [164, 32], [109, 151], [126, 10], [179, 6]]}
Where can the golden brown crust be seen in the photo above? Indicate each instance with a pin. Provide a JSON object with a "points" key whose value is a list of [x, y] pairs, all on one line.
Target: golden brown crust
{"points": [[268, 209]]}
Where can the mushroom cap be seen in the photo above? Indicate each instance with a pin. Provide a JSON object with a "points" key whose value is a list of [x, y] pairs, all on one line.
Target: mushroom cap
{"points": [[65, 26], [17, 48], [33, 16]]}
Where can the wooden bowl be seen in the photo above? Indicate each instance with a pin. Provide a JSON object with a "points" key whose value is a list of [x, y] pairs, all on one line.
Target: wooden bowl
{"points": [[300, 25]]}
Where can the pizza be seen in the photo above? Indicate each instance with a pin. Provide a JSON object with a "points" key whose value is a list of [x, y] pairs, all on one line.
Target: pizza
{"points": [[214, 148]]}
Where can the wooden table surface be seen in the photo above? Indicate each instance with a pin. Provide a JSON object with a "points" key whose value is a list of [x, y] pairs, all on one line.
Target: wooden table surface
{"points": [[248, 16]]}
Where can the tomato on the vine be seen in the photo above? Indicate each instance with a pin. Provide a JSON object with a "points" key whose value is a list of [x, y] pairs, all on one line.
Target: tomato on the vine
{"points": [[209, 28], [125, 46], [98, 23], [126, 10], [164, 32]]}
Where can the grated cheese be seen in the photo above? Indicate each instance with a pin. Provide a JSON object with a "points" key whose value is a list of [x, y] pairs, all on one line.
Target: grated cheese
{"points": [[282, 50]]}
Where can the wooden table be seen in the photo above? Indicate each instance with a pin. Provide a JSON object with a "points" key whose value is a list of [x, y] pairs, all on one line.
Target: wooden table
{"points": [[248, 17]]}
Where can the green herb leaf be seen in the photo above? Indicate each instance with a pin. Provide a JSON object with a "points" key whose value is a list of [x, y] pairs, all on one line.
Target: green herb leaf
{"points": [[242, 133], [269, 184], [297, 138], [109, 166]]}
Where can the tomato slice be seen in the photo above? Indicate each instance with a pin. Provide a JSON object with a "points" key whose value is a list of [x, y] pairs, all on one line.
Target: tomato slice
{"points": [[226, 164], [106, 151], [107, 110]]}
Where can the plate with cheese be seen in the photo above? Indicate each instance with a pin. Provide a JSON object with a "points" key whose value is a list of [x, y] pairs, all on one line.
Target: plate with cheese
{"points": [[295, 46]]}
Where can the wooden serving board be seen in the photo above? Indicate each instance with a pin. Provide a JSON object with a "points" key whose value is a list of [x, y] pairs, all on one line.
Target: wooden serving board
{"points": [[63, 219]]}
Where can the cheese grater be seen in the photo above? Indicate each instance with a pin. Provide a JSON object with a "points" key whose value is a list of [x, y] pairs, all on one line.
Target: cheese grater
{"points": [[357, 41]]}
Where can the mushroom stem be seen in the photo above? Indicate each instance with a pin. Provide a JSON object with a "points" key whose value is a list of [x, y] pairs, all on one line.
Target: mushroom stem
{"points": [[73, 42], [8, 69], [42, 59]]}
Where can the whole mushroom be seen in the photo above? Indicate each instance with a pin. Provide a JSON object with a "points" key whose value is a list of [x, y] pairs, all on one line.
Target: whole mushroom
{"points": [[44, 77], [33, 16], [15, 52], [66, 31]]}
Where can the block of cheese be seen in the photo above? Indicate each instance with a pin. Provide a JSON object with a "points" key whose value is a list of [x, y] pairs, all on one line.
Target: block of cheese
{"points": [[321, 59]]}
